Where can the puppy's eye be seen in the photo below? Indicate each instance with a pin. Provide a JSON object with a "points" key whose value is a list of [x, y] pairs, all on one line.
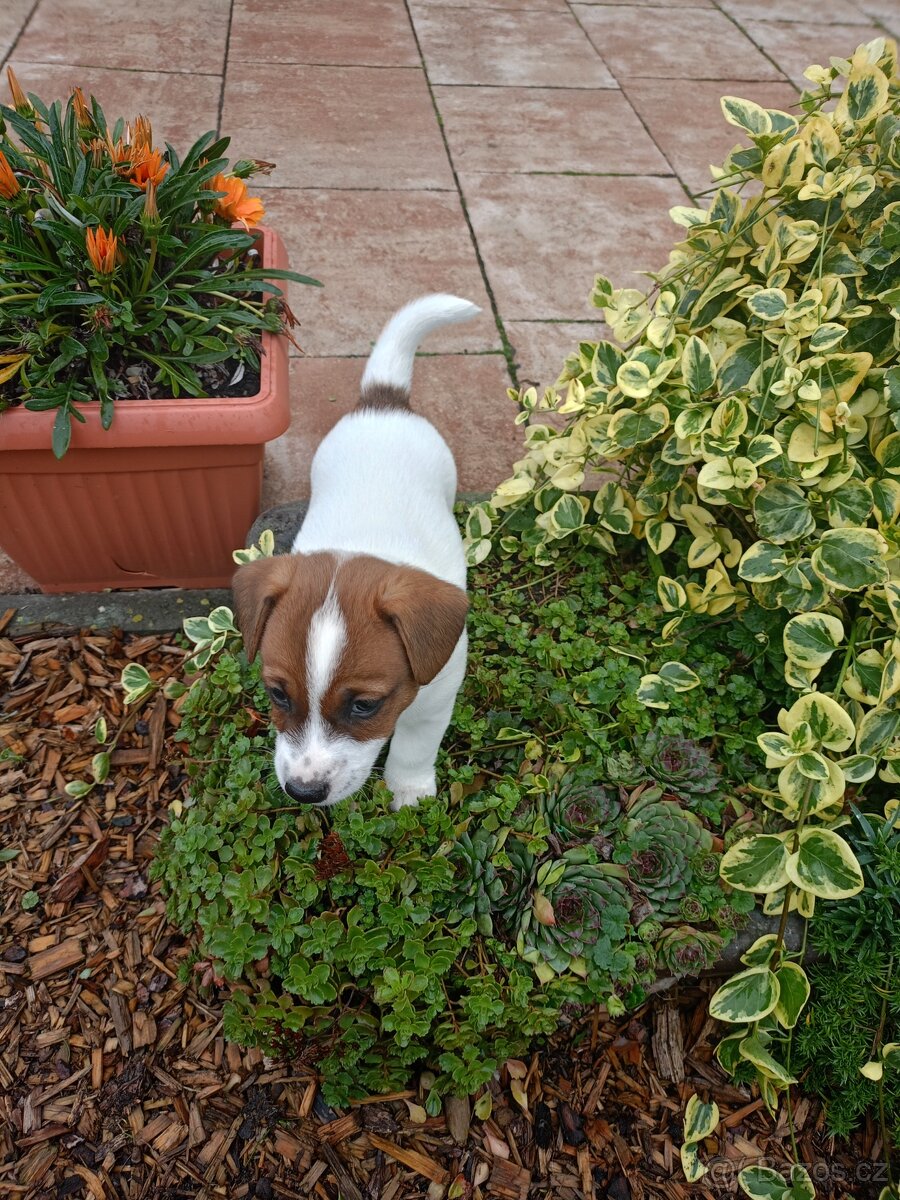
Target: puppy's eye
{"points": [[360, 709], [279, 698]]}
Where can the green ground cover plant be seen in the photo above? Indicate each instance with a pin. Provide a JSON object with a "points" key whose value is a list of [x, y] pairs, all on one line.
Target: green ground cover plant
{"points": [[557, 868]]}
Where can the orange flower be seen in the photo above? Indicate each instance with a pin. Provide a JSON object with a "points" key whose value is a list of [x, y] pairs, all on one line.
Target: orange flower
{"points": [[20, 101], [236, 205], [147, 166], [102, 250], [9, 185], [150, 215], [82, 112], [141, 136]]}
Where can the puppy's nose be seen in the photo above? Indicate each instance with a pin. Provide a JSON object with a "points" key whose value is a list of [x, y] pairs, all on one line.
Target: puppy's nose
{"points": [[313, 792]]}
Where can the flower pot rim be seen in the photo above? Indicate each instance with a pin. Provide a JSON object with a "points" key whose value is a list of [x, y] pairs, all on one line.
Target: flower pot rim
{"points": [[219, 420]]}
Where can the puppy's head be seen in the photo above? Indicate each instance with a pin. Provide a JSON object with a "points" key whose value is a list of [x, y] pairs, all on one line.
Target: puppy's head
{"points": [[346, 643]]}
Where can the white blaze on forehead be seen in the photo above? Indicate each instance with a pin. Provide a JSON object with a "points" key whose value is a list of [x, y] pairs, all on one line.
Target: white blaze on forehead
{"points": [[324, 645]]}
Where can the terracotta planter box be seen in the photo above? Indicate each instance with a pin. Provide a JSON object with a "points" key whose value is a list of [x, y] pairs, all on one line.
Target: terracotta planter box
{"points": [[159, 499]]}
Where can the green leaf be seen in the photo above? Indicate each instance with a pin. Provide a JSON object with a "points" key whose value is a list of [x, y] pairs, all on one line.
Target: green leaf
{"points": [[690, 1162], [679, 677], [762, 951], [698, 367], [793, 993], [746, 997], [9, 853], [62, 432], [221, 620], [763, 563], [858, 768], [137, 683], [612, 511], [78, 788], [877, 730], [769, 304], [812, 638], [827, 336], [888, 453], [745, 114], [654, 692], [672, 595], [100, 767], [825, 865], [762, 1183], [197, 629], [851, 559], [829, 723], [782, 512], [100, 730], [30, 900], [756, 864], [701, 1119], [629, 428], [753, 1051]]}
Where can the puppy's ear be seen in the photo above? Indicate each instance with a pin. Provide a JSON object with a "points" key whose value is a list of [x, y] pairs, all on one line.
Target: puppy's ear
{"points": [[429, 616], [257, 588]]}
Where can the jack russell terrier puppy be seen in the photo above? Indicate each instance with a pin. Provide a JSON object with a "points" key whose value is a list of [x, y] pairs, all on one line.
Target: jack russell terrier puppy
{"points": [[361, 628]]}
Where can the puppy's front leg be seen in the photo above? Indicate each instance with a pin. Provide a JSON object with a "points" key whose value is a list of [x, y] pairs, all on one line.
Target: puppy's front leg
{"points": [[410, 768]]}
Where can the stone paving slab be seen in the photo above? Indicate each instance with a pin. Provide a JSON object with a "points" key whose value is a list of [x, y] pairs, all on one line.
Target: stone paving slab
{"points": [[505, 150]]}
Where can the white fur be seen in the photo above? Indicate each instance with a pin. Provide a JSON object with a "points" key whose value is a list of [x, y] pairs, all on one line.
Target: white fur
{"points": [[384, 484], [391, 361]]}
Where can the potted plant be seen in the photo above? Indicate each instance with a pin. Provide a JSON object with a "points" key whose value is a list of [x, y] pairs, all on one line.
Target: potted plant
{"points": [[143, 350]]}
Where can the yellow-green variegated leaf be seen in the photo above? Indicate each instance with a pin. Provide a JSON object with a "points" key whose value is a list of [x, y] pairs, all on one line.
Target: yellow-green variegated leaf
{"points": [[763, 563], [829, 723], [746, 115], [825, 865], [844, 375], [809, 445], [782, 512], [763, 1183], [795, 786], [872, 1070], [690, 1162], [850, 505], [756, 864], [672, 595], [723, 474], [761, 952], [763, 449], [692, 421], [679, 677], [612, 510], [730, 419], [863, 680], [698, 368], [653, 692], [728, 1051], [858, 768], [864, 97], [660, 534], [811, 638], [746, 997], [633, 379], [566, 515], [703, 550], [886, 498], [700, 1119], [769, 304], [753, 1051], [877, 730], [892, 599], [814, 766], [804, 902], [629, 428], [888, 453], [851, 559], [827, 336], [793, 993]]}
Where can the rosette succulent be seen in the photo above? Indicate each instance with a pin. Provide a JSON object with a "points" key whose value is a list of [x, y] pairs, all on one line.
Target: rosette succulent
{"points": [[624, 770], [579, 808], [478, 886], [580, 911], [517, 881], [679, 765], [665, 840], [683, 950]]}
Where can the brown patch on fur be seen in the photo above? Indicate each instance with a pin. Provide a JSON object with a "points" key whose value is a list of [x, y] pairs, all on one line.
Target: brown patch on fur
{"points": [[383, 396], [402, 626]]}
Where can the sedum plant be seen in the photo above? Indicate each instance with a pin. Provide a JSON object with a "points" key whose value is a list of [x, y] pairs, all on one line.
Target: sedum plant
{"points": [[744, 424], [126, 270]]}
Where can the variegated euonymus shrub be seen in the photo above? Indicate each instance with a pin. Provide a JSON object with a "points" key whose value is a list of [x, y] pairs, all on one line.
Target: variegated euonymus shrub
{"points": [[745, 425]]}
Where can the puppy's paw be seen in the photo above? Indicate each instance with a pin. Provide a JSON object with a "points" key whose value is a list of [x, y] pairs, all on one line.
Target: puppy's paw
{"points": [[408, 795]]}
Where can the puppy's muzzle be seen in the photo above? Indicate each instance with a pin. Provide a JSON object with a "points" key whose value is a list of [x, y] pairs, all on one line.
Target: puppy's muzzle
{"points": [[313, 792]]}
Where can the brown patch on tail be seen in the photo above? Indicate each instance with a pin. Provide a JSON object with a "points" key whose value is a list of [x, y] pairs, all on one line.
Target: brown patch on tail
{"points": [[383, 396]]}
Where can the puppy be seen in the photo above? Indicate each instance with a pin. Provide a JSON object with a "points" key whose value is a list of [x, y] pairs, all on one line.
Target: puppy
{"points": [[361, 628]]}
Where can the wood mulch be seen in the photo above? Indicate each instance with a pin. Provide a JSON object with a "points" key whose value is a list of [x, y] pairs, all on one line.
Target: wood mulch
{"points": [[116, 1081]]}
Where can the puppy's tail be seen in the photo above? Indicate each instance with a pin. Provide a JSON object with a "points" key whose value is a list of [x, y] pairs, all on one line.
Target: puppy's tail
{"points": [[387, 379]]}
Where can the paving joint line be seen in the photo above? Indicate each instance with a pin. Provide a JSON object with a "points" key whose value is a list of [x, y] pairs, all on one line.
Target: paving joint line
{"points": [[225, 65]]}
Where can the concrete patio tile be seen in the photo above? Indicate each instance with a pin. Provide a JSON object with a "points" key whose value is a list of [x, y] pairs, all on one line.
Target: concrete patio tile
{"points": [[369, 33], [374, 252], [685, 119], [180, 107], [827, 12], [118, 33], [886, 12], [541, 347], [546, 129], [463, 395], [504, 48], [795, 45], [352, 127], [512, 5], [544, 239], [663, 43], [13, 15]]}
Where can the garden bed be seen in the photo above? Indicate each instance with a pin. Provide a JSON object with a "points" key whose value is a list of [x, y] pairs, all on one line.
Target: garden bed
{"points": [[118, 1079]]}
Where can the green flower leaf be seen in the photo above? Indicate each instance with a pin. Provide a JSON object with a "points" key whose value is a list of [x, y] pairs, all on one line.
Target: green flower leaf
{"points": [[825, 865], [746, 997]]}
